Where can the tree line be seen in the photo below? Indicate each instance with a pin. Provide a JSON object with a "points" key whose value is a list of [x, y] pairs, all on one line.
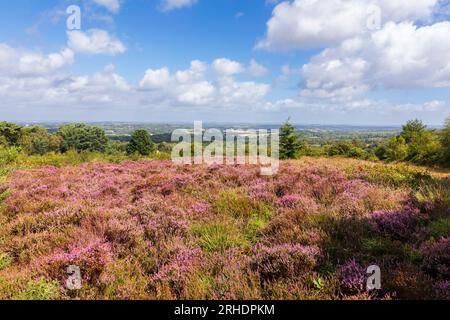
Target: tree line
{"points": [[416, 143], [36, 140]]}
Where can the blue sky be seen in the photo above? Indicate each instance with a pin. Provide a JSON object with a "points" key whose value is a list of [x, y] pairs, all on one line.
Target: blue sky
{"points": [[226, 60]]}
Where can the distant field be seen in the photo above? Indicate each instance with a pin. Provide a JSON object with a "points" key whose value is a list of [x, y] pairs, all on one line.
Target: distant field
{"points": [[311, 133], [152, 230]]}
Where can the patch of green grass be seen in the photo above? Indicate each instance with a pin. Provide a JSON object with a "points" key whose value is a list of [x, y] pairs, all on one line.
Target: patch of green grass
{"points": [[397, 175], [440, 228], [4, 195], [40, 290], [218, 236], [383, 247], [254, 227], [200, 286], [234, 203], [5, 261], [380, 246]]}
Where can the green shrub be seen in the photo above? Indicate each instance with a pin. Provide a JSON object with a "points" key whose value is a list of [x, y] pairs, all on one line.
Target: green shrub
{"points": [[40, 290], [9, 156], [396, 176]]}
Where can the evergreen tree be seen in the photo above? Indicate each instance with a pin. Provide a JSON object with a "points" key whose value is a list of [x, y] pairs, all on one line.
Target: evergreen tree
{"points": [[140, 143], [289, 141], [81, 137]]}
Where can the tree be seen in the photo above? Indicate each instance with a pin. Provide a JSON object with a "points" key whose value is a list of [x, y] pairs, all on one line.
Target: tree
{"points": [[141, 143], [412, 129], [446, 143], [37, 140], [10, 134], [289, 141], [81, 137], [423, 144], [396, 149], [164, 147]]}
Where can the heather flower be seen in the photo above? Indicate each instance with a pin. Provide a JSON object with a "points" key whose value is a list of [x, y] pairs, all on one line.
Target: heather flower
{"points": [[176, 271], [443, 289], [123, 231], [131, 226], [284, 261], [260, 191], [201, 207], [298, 201], [160, 228], [436, 261], [289, 201], [91, 259], [351, 275], [402, 225]]}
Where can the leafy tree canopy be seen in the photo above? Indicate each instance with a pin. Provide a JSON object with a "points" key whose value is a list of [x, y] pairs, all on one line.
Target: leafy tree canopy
{"points": [[81, 137], [141, 143]]}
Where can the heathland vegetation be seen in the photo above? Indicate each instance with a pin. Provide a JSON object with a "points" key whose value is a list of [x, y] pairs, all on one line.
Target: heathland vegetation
{"points": [[140, 227]]}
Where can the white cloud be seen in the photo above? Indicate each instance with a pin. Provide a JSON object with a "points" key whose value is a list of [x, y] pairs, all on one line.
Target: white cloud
{"points": [[232, 91], [196, 72], [198, 93], [198, 86], [99, 81], [305, 24], [105, 88], [257, 70], [24, 63], [168, 5], [434, 105], [226, 67], [111, 5], [397, 56], [155, 79], [94, 41]]}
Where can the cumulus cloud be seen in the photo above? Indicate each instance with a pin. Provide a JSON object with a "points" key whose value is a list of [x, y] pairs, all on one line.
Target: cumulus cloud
{"points": [[22, 63], [404, 49], [306, 24], [397, 56], [94, 41], [168, 5], [112, 5], [155, 79], [257, 70], [34, 81], [227, 67], [204, 85], [65, 91]]}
